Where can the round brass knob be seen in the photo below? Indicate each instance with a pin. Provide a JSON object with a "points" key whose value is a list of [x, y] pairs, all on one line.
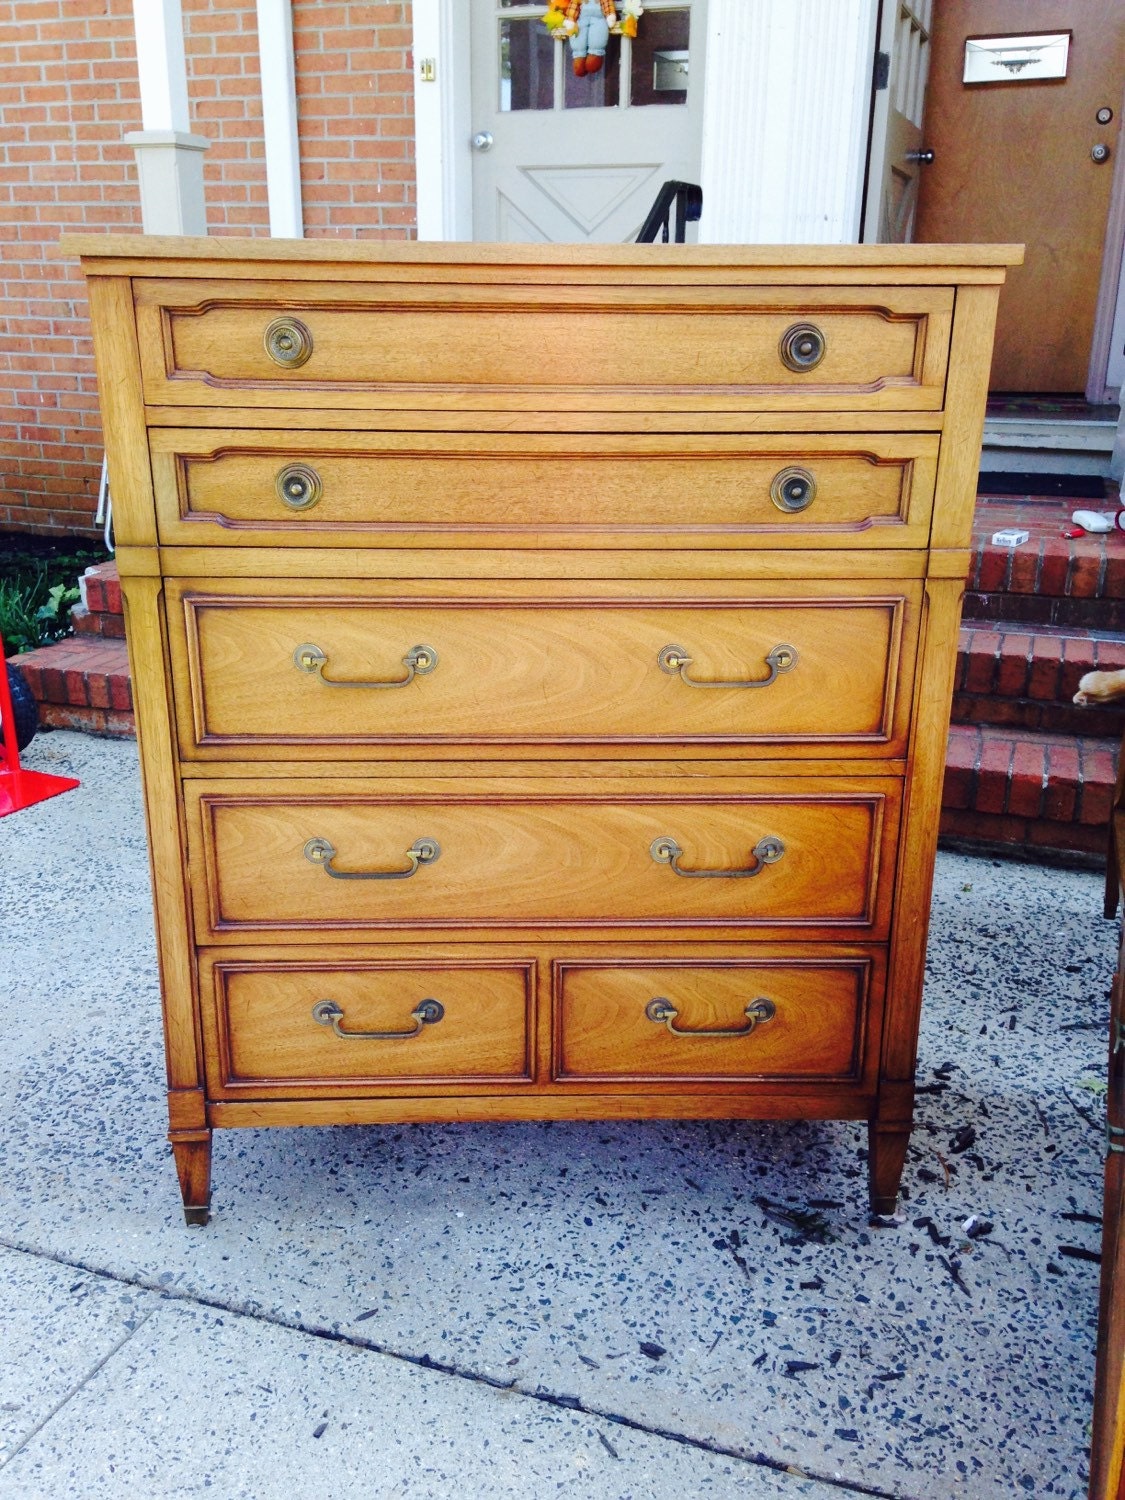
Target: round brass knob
{"points": [[288, 342], [298, 486], [802, 347], [793, 489]]}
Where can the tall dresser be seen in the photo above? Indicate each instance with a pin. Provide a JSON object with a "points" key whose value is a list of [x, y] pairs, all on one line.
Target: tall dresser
{"points": [[542, 660]]}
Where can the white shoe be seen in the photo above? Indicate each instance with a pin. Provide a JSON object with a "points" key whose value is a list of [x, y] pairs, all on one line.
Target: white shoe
{"points": [[1094, 520]]}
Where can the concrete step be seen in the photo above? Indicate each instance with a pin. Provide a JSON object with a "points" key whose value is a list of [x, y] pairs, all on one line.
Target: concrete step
{"points": [[1028, 789]]}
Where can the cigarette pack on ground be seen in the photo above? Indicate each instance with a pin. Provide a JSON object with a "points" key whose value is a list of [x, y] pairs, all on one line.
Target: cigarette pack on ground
{"points": [[1009, 538]]}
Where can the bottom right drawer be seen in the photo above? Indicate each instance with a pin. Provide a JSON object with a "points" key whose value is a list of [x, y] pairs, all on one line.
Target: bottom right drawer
{"points": [[666, 1020]]}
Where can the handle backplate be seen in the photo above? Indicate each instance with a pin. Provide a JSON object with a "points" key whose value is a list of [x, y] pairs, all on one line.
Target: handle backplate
{"points": [[793, 489], [767, 851], [320, 852], [425, 1013], [662, 1011], [288, 342], [802, 347], [675, 660], [298, 486], [418, 661]]}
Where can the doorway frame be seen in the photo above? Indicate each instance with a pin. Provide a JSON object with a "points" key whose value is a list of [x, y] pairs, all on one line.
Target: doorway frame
{"points": [[442, 119], [1111, 288]]}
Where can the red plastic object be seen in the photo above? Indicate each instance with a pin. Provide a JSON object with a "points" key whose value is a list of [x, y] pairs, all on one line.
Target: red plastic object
{"points": [[20, 788]]}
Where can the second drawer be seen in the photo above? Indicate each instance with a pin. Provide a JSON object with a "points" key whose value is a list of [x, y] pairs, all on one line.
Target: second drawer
{"points": [[827, 666]]}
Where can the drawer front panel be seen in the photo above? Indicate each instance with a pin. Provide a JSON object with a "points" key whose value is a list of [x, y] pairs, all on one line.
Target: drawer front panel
{"points": [[296, 860], [743, 1019], [424, 489], [363, 1024], [334, 676], [657, 348]]}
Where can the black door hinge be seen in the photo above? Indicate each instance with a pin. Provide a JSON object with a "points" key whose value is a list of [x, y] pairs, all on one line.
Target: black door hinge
{"points": [[882, 69]]}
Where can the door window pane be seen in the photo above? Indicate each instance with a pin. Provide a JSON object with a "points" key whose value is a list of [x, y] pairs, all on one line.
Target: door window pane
{"points": [[593, 90], [660, 58], [527, 65]]}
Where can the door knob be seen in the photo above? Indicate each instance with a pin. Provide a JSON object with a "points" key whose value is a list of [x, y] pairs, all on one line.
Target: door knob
{"points": [[482, 141], [1099, 153], [924, 158]]}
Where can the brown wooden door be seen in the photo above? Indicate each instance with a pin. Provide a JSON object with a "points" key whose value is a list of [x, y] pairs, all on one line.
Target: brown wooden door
{"points": [[1012, 163]]}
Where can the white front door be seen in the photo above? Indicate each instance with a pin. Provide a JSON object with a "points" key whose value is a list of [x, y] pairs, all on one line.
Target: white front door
{"points": [[562, 158]]}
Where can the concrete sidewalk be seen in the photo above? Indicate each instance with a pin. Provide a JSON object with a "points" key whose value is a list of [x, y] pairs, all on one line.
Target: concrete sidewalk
{"points": [[625, 1310]]}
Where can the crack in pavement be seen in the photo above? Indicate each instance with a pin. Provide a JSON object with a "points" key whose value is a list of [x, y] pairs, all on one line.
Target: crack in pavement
{"points": [[95, 1369], [424, 1362]]}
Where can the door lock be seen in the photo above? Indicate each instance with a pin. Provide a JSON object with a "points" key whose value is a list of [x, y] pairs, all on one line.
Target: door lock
{"points": [[1099, 153], [482, 141]]}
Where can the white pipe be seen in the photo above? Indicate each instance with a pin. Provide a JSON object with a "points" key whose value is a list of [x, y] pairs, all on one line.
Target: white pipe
{"points": [[159, 26], [279, 118]]}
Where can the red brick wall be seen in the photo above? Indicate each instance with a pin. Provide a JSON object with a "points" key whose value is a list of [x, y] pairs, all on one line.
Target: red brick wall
{"points": [[68, 93]]}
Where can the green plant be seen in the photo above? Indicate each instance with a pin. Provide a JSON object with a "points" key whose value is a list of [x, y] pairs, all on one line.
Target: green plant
{"points": [[18, 606], [39, 585], [34, 611]]}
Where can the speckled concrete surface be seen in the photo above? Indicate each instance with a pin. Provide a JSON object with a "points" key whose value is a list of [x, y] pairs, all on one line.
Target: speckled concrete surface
{"points": [[250, 1411], [915, 1360]]}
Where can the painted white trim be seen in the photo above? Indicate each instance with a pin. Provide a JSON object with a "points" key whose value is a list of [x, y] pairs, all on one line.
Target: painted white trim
{"points": [[785, 120], [161, 70], [442, 120], [169, 158], [279, 119]]}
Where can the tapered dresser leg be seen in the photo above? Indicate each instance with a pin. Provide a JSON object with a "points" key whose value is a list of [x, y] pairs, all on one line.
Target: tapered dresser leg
{"points": [[192, 1150], [886, 1157]]}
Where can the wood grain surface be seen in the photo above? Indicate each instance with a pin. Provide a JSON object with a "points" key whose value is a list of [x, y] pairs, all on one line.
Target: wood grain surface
{"points": [[263, 1033], [540, 673], [521, 348], [423, 489], [602, 1030], [555, 857]]}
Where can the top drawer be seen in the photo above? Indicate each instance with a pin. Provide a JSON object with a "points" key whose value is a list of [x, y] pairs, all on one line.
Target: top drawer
{"points": [[542, 348]]}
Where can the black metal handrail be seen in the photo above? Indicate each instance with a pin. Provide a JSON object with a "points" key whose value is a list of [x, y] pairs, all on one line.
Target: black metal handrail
{"points": [[687, 200]]}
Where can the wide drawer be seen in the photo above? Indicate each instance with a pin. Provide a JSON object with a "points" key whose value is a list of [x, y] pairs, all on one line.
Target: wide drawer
{"points": [[311, 1027], [665, 1020], [309, 858], [536, 347], [430, 489], [815, 666]]}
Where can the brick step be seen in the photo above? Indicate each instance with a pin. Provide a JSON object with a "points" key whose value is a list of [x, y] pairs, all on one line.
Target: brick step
{"points": [[1027, 679], [82, 683], [101, 612], [1049, 579], [1029, 789]]}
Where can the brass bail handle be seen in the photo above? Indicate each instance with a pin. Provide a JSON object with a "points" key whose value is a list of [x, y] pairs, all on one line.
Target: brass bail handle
{"points": [[757, 1013], [425, 1013], [767, 851], [421, 852], [675, 660], [418, 661]]}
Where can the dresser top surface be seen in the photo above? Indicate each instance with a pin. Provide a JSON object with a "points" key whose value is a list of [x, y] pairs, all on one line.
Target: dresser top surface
{"points": [[154, 255]]}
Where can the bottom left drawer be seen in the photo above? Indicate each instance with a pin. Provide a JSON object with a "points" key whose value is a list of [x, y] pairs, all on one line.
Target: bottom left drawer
{"points": [[275, 1028]]}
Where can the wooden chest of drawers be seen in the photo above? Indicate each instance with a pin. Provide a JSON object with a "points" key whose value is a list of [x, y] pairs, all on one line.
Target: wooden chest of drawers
{"points": [[542, 660]]}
